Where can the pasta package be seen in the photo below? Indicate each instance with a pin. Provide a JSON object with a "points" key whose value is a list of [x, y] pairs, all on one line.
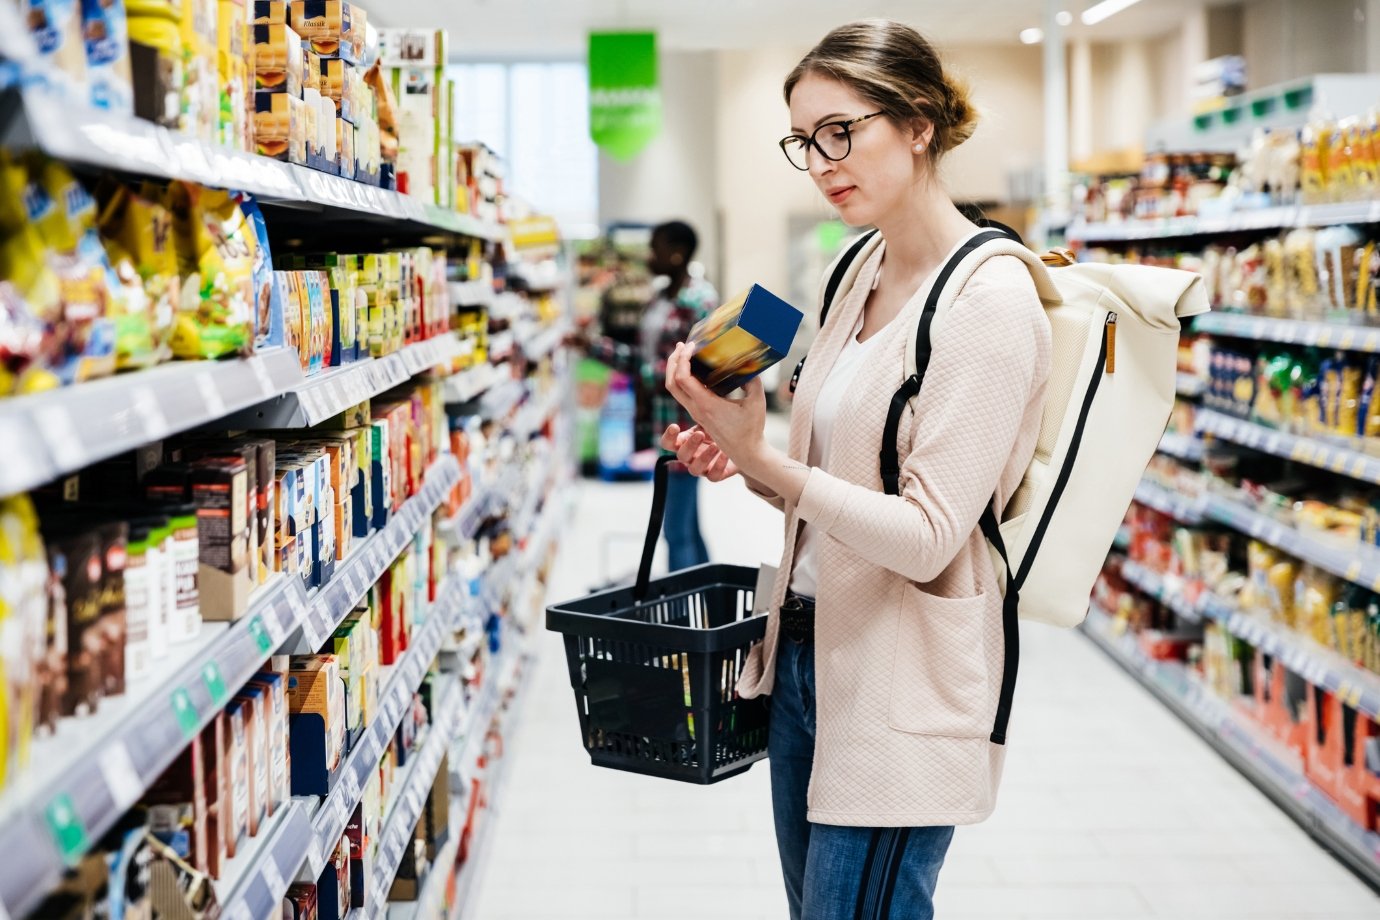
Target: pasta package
{"points": [[216, 249]]}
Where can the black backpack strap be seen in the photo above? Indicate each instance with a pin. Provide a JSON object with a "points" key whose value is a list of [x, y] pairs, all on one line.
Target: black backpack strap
{"points": [[832, 288], [890, 456], [1010, 627], [891, 474]]}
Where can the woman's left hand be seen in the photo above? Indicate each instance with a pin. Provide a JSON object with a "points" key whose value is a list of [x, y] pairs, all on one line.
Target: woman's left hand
{"points": [[736, 426]]}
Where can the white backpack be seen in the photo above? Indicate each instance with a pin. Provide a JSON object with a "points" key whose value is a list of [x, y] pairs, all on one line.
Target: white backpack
{"points": [[1111, 388]]}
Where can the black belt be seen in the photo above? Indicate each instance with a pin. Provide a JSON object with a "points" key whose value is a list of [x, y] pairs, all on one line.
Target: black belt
{"points": [[798, 618]]}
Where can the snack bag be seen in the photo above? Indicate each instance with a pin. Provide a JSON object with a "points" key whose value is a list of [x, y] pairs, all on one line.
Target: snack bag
{"points": [[138, 235], [56, 26], [1337, 269], [1314, 161], [106, 33], [1301, 266], [216, 249]]}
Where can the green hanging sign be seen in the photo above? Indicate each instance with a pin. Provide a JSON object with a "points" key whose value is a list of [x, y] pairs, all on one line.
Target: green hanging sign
{"points": [[624, 93]]}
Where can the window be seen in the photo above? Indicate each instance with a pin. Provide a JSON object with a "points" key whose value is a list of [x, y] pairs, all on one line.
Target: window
{"points": [[536, 115]]}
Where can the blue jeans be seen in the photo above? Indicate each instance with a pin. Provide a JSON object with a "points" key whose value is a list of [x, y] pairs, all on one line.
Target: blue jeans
{"points": [[838, 873], [682, 526]]}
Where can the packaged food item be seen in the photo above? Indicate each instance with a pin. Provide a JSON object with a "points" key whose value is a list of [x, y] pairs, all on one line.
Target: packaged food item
{"points": [[1341, 181], [1337, 269], [271, 12], [336, 79], [268, 303], [316, 702], [329, 26], [232, 58], [137, 231], [238, 778], [345, 142], [216, 249], [56, 26], [220, 490], [1314, 140], [741, 339], [280, 127], [201, 86], [278, 62], [274, 686], [106, 33], [157, 62], [1300, 254]]}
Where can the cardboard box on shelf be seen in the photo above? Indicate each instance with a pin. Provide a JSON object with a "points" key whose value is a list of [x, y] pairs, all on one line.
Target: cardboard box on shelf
{"points": [[220, 490], [316, 702], [279, 66], [280, 127], [330, 26], [274, 686]]}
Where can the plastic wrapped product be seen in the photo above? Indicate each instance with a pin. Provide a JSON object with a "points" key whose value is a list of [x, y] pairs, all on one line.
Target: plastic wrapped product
{"points": [[216, 249]]}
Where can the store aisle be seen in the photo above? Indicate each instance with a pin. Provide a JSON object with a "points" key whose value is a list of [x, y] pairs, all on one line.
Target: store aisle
{"points": [[1111, 808]]}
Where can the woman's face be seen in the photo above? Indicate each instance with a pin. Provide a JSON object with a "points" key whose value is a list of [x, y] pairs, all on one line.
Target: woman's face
{"points": [[878, 171]]}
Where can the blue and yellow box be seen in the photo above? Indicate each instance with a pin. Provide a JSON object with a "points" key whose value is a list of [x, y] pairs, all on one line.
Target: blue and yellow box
{"points": [[742, 338]]}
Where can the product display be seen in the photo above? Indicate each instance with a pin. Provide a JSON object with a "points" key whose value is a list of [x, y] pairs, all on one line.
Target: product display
{"points": [[742, 338]]}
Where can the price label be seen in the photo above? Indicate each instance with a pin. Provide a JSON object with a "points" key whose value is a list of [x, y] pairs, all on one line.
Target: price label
{"points": [[311, 631], [343, 810], [66, 827], [259, 367], [120, 776], [299, 606], [262, 640], [188, 720], [210, 395], [150, 413], [1348, 339], [61, 438], [314, 858], [351, 786], [215, 683], [273, 878]]}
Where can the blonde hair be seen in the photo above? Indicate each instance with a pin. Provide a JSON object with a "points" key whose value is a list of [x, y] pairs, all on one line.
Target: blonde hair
{"points": [[896, 69]]}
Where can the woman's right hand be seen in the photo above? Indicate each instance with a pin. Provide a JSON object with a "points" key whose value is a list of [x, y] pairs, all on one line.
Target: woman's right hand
{"points": [[697, 450]]}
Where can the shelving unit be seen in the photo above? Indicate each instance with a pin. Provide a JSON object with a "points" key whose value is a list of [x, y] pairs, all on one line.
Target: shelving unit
{"points": [[1181, 508], [1183, 447], [1274, 771], [1262, 219], [1317, 452], [1289, 331]]}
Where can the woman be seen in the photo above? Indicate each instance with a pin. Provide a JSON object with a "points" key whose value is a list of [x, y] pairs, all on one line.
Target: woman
{"points": [[883, 649], [665, 323]]}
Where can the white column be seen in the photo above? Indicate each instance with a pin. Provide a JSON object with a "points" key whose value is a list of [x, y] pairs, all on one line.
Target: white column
{"points": [[1056, 113], [1372, 27], [1081, 100]]}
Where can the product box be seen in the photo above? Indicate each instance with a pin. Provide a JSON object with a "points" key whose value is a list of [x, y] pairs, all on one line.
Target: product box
{"points": [[742, 338], [106, 32], [56, 27], [342, 306], [219, 490], [333, 885], [274, 686], [421, 48], [360, 838], [337, 85], [300, 903], [263, 454], [278, 63], [238, 776], [256, 738], [311, 109], [437, 815], [280, 127], [179, 810], [75, 560], [327, 129], [330, 27], [312, 63], [321, 338], [271, 12], [316, 703], [232, 59], [418, 92], [381, 473], [345, 143], [215, 784]]}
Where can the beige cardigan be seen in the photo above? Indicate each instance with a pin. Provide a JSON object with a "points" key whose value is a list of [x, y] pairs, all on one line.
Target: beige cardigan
{"points": [[908, 625]]}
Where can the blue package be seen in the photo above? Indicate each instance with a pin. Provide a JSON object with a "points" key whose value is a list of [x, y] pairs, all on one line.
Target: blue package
{"points": [[268, 292], [742, 338]]}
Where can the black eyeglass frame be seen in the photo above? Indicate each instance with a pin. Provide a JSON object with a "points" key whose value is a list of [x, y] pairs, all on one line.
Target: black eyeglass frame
{"points": [[810, 141]]}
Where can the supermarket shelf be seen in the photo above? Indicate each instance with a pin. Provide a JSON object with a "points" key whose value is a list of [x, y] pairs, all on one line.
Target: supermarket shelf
{"points": [[80, 134], [413, 789], [547, 341], [431, 896], [356, 574], [1187, 449], [1323, 454], [1189, 385], [64, 430], [469, 385], [1181, 508], [1166, 591], [1321, 215], [331, 392], [330, 819], [88, 774], [471, 293], [1255, 757], [1290, 331], [71, 428], [1320, 666], [259, 875], [1356, 563], [533, 416], [502, 399]]}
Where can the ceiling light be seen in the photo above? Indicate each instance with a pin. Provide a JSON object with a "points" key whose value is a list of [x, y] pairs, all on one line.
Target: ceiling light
{"points": [[1104, 10], [1032, 36], [1065, 18]]}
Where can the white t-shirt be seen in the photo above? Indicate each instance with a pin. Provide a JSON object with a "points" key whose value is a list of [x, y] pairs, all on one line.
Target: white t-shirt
{"points": [[804, 580]]}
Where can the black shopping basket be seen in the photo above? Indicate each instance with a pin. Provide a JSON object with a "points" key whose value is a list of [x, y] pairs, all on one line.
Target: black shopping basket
{"points": [[654, 667]]}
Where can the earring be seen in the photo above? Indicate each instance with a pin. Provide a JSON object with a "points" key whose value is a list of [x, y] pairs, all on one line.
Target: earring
{"points": [[919, 148]]}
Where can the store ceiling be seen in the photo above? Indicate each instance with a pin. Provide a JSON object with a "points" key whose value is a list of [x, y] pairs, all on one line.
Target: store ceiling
{"points": [[527, 28]]}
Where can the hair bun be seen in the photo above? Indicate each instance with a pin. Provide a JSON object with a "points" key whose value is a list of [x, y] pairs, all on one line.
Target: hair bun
{"points": [[960, 115]]}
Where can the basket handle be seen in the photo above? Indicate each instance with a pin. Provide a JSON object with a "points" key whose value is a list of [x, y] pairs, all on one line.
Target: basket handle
{"points": [[660, 482]]}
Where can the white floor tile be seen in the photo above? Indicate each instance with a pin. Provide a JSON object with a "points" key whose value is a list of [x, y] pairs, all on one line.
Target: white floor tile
{"points": [[1111, 808]]}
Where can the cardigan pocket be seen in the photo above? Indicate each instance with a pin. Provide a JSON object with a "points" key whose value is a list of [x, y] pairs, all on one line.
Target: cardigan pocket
{"points": [[940, 684]]}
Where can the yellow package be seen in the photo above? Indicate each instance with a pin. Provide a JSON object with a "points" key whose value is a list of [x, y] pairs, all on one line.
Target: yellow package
{"points": [[1314, 159], [1301, 266], [1363, 166], [216, 247], [138, 235], [1276, 279], [1341, 182]]}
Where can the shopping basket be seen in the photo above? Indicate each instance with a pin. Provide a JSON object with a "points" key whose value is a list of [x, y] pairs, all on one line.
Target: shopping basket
{"points": [[654, 666]]}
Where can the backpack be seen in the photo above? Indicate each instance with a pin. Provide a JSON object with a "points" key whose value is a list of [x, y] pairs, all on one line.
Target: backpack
{"points": [[1115, 333]]}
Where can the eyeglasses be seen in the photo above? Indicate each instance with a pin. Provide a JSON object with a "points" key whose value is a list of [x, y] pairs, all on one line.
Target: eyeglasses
{"points": [[833, 140]]}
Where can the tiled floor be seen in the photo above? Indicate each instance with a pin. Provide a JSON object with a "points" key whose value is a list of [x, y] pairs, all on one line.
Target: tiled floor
{"points": [[1110, 809]]}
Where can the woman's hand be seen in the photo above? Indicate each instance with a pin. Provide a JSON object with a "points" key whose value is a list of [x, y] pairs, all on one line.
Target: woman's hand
{"points": [[737, 428], [697, 450]]}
